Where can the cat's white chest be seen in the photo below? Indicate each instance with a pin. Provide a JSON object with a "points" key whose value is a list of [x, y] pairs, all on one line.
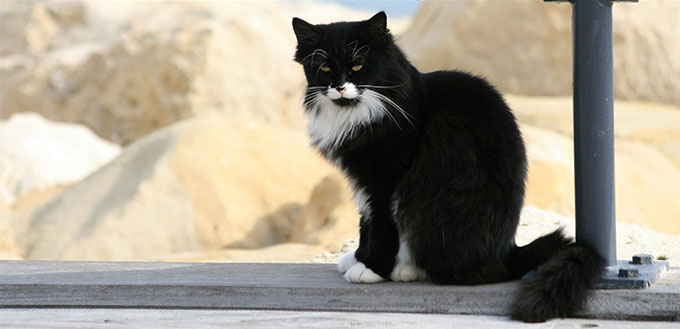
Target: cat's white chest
{"points": [[330, 125]]}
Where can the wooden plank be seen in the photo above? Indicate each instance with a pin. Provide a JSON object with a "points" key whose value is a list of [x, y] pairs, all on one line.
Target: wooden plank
{"points": [[155, 318], [309, 287]]}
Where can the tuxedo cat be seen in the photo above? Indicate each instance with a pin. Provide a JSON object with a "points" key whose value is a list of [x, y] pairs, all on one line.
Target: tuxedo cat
{"points": [[438, 167]]}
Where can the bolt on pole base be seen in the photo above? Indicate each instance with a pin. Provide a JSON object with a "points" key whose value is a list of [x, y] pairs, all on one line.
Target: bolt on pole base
{"points": [[640, 273]]}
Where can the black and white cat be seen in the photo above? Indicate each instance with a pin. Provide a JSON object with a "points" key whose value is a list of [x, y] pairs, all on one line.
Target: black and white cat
{"points": [[438, 166]]}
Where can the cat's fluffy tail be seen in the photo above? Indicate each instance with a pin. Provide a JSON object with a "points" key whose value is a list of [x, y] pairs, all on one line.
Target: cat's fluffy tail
{"points": [[561, 285]]}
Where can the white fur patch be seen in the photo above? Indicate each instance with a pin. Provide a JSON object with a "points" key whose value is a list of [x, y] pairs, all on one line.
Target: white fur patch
{"points": [[347, 261], [361, 200], [330, 124], [404, 254], [405, 268], [359, 273], [407, 272]]}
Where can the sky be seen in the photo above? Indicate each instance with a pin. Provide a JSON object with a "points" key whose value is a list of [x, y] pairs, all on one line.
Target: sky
{"points": [[393, 8]]}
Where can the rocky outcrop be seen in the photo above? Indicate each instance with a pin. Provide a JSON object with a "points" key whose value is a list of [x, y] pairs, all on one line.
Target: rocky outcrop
{"points": [[208, 184], [647, 171], [127, 69], [197, 185], [37, 155], [239, 182], [653, 124], [8, 249], [525, 47]]}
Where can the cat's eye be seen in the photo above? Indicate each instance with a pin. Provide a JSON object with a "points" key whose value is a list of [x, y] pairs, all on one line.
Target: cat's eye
{"points": [[357, 67], [325, 69]]}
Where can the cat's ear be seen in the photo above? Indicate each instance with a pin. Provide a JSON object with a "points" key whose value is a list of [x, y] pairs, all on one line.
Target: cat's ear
{"points": [[376, 27], [378, 21], [304, 31]]}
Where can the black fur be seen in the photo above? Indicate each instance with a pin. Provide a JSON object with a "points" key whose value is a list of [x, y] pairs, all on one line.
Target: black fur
{"points": [[454, 165], [560, 286]]}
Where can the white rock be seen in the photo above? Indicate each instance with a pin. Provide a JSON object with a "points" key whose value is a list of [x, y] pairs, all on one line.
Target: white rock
{"points": [[197, 185], [37, 154], [631, 238], [8, 248]]}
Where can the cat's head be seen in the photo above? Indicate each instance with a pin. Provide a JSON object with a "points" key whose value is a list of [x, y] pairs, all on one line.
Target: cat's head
{"points": [[342, 60]]}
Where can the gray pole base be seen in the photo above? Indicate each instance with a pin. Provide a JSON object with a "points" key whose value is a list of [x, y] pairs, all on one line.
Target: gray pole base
{"points": [[628, 275], [633, 274]]}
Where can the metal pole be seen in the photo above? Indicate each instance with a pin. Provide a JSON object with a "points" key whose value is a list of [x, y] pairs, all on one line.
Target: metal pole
{"points": [[594, 126], [594, 145]]}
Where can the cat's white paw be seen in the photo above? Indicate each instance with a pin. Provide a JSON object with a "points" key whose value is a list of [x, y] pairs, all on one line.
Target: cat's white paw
{"points": [[359, 273], [407, 272], [347, 261]]}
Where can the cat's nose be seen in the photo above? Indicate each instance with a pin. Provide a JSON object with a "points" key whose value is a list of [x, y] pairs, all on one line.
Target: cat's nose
{"points": [[341, 90]]}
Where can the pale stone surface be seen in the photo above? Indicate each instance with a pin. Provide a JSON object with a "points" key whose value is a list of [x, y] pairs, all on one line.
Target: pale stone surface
{"points": [[248, 186], [239, 186], [33, 27], [647, 159], [37, 154], [279, 253], [654, 124], [8, 248], [631, 238], [525, 47], [122, 319], [647, 183], [130, 208], [128, 68], [197, 185]]}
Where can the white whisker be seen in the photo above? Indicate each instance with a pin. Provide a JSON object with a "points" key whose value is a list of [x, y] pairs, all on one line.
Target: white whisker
{"points": [[372, 99], [356, 43], [319, 52], [316, 75], [396, 107], [355, 54], [382, 87]]}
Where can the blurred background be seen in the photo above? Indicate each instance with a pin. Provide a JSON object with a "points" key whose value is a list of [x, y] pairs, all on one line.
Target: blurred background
{"points": [[173, 130]]}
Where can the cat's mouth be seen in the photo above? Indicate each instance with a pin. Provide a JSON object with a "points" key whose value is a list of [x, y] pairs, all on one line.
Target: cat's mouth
{"points": [[346, 101], [345, 94]]}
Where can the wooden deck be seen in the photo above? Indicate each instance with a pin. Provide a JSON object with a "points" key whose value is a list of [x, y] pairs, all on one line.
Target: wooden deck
{"points": [[284, 287]]}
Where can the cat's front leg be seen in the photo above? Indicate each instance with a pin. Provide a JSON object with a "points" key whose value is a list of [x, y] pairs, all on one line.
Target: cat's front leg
{"points": [[356, 271], [359, 273], [374, 260]]}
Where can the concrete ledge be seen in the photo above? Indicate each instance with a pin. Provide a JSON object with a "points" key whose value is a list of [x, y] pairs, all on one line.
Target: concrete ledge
{"points": [[106, 318], [302, 287]]}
